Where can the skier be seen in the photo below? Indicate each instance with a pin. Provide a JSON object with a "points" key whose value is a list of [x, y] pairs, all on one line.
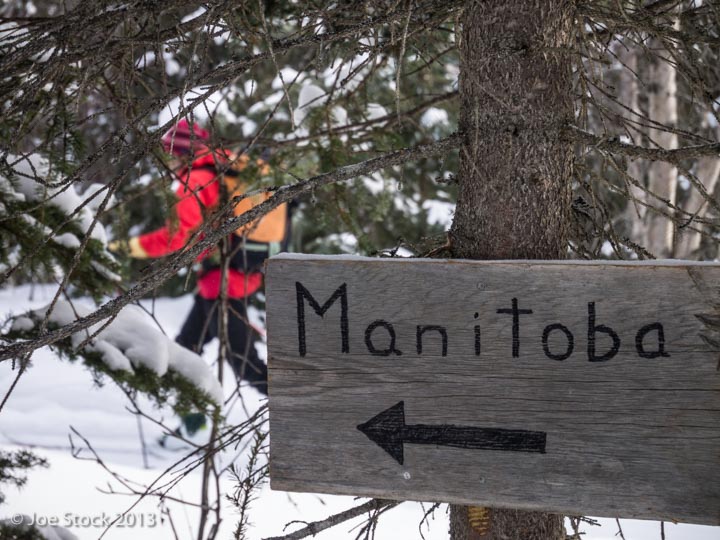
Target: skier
{"points": [[203, 175]]}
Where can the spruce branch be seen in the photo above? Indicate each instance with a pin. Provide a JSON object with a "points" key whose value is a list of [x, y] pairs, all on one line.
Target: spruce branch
{"points": [[213, 235], [614, 145]]}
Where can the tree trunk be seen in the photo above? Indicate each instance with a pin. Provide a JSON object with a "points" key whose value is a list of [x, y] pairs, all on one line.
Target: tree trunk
{"points": [[516, 95], [515, 172], [687, 243], [662, 176], [635, 212]]}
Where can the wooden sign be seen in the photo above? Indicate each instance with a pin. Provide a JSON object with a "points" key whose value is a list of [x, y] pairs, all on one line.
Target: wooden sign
{"points": [[580, 388]]}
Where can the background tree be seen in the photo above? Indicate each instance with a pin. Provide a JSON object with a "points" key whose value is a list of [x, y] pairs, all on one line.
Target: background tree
{"points": [[586, 129]]}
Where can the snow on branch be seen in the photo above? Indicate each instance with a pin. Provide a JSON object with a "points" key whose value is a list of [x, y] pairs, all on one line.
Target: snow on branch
{"points": [[47, 225], [127, 343]]}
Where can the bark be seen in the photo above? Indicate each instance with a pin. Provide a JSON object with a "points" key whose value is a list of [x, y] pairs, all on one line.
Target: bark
{"points": [[515, 168], [516, 96], [506, 525]]}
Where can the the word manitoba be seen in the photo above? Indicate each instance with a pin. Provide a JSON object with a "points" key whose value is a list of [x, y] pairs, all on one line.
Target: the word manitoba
{"points": [[555, 340]]}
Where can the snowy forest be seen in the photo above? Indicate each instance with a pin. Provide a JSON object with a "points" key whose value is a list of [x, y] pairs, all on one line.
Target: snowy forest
{"points": [[144, 144]]}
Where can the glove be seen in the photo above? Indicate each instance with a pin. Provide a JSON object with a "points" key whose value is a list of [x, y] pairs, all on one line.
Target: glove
{"points": [[117, 246], [135, 250]]}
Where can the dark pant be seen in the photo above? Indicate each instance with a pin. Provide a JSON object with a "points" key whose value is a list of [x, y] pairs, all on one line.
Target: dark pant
{"points": [[201, 326]]}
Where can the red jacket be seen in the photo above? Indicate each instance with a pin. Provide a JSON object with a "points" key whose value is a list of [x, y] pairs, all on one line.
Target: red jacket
{"points": [[199, 190]]}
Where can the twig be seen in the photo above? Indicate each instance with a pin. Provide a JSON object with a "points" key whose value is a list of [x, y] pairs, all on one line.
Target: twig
{"points": [[143, 445], [311, 529], [620, 531]]}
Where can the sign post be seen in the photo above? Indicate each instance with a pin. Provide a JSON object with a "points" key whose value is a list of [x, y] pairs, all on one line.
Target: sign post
{"points": [[571, 387]]}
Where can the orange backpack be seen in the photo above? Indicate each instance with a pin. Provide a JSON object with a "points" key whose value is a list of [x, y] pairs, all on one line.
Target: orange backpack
{"points": [[270, 228]]}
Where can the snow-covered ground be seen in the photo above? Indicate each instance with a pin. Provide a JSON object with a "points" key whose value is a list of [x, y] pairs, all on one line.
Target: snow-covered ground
{"points": [[54, 395]]}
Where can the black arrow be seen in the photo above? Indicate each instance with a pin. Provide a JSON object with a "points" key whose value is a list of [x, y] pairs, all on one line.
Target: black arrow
{"points": [[389, 431]]}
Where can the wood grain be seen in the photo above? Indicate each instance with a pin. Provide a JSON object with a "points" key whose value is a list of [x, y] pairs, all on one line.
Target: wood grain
{"points": [[636, 435]]}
